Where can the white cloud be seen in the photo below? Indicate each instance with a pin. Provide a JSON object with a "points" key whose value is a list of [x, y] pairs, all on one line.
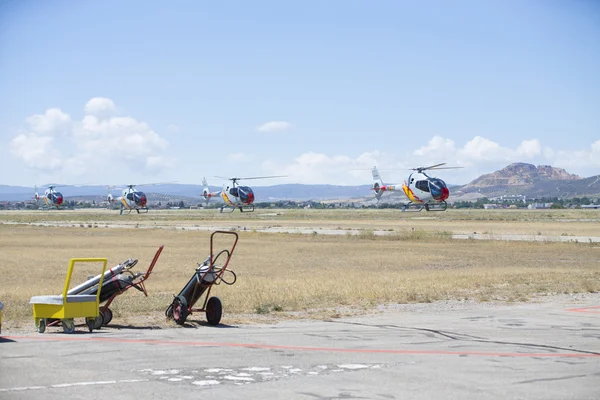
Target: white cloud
{"points": [[52, 121], [172, 128], [158, 163], [437, 146], [119, 137], [480, 148], [94, 146], [36, 151], [320, 168], [580, 159], [273, 126], [529, 148], [100, 107]]}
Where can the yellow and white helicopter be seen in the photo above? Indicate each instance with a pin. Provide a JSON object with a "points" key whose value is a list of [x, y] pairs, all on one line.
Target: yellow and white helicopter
{"points": [[133, 199], [234, 196], [51, 197], [130, 199], [422, 190]]}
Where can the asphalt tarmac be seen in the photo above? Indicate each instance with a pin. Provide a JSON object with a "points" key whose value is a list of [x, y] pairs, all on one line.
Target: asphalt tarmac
{"points": [[546, 349]]}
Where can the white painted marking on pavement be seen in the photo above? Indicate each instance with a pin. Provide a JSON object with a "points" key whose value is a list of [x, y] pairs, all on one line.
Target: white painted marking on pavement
{"points": [[74, 384]]}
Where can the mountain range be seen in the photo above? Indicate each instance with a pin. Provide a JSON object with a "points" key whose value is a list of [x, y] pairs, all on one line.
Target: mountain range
{"points": [[518, 178]]}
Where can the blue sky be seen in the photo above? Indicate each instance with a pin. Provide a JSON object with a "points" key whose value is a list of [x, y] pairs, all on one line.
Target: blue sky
{"points": [[119, 92]]}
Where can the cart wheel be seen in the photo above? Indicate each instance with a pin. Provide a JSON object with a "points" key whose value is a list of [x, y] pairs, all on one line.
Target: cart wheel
{"points": [[107, 316], [180, 309], [214, 311], [99, 320], [90, 322], [68, 325], [41, 325]]}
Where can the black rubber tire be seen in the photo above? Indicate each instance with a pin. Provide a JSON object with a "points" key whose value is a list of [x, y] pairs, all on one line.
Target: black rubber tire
{"points": [[99, 320], [68, 325], [214, 311], [180, 310], [41, 328], [107, 316]]}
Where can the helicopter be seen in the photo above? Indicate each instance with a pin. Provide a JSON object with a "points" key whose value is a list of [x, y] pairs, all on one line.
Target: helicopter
{"points": [[51, 197], [422, 190], [131, 199], [236, 196]]}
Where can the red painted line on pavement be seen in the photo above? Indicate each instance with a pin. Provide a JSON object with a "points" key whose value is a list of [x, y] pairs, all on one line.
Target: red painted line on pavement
{"points": [[300, 348], [586, 310]]}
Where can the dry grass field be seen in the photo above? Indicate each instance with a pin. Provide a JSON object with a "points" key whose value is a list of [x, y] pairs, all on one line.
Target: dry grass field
{"points": [[314, 275]]}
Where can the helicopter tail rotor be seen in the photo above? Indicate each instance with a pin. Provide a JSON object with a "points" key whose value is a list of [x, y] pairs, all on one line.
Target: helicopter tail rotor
{"points": [[109, 196], [206, 191], [378, 186]]}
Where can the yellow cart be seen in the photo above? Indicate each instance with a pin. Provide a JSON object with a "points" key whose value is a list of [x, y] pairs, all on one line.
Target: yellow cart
{"points": [[68, 306]]}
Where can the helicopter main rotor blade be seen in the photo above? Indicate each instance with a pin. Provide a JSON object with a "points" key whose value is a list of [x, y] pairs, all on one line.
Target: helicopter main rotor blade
{"points": [[252, 177], [430, 167], [447, 168], [265, 177]]}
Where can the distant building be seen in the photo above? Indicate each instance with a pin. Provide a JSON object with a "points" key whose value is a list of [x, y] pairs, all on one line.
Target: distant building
{"points": [[538, 206], [513, 198], [490, 206], [594, 206]]}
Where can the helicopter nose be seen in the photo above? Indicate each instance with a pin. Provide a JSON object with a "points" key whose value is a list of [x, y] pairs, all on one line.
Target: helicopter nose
{"points": [[445, 194], [59, 200]]}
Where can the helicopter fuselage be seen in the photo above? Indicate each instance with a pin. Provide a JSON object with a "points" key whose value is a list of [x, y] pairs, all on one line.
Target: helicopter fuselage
{"points": [[421, 188], [237, 196], [51, 197], [133, 199]]}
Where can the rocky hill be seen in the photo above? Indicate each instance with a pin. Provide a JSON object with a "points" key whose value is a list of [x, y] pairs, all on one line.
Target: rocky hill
{"points": [[532, 181]]}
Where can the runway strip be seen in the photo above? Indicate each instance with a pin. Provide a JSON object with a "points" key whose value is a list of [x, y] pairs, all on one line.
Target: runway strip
{"points": [[300, 348], [313, 231]]}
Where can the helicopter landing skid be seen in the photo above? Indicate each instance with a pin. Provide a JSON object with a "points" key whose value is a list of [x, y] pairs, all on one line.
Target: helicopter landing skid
{"points": [[139, 210], [230, 209], [431, 206]]}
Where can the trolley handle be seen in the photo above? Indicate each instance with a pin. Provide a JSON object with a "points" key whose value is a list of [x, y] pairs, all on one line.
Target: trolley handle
{"points": [[204, 263], [130, 263]]}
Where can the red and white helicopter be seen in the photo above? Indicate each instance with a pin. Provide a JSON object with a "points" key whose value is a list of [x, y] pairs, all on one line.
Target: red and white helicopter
{"points": [[130, 199], [234, 196], [51, 197], [422, 190]]}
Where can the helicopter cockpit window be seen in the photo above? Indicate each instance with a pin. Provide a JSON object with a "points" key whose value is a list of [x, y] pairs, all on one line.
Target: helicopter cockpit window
{"points": [[437, 187], [234, 191], [246, 194], [140, 198], [129, 196], [422, 185], [56, 197]]}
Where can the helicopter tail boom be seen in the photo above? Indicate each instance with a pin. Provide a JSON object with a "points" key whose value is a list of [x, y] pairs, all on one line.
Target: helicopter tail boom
{"points": [[378, 187]]}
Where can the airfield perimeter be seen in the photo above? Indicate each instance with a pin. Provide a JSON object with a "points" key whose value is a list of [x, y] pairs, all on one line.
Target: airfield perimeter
{"points": [[328, 304]]}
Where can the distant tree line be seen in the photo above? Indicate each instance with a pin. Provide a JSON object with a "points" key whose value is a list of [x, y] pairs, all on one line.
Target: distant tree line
{"points": [[556, 202]]}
